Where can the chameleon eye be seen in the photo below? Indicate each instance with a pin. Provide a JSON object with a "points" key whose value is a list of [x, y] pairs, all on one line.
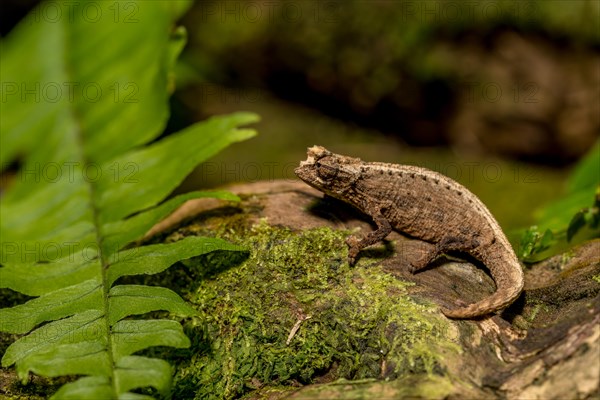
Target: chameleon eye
{"points": [[326, 172]]}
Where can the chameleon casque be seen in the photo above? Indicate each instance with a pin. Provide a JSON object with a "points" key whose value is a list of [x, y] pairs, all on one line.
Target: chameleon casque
{"points": [[422, 204]]}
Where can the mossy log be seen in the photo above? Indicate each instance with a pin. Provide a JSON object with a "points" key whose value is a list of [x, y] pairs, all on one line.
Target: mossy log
{"points": [[293, 320]]}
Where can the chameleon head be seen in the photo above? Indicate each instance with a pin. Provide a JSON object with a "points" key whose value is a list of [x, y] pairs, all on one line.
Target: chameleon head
{"points": [[330, 173]]}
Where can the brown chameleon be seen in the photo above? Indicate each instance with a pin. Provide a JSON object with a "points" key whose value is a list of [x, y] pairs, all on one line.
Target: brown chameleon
{"points": [[425, 205]]}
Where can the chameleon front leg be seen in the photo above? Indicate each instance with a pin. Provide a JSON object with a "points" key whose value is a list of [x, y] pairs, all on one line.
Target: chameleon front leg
{"points": [[356, 244]]}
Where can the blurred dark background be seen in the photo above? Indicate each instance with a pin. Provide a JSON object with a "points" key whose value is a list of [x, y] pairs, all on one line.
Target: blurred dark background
{"points": [[455, 86], [516, 78]]}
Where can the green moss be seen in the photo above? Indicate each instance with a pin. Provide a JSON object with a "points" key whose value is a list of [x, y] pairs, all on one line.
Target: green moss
{"points": [[596, 278], [362, 323], [412, 387]]}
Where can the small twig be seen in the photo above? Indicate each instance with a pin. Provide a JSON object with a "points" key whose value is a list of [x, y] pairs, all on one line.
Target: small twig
{"points": [[295, 329]]}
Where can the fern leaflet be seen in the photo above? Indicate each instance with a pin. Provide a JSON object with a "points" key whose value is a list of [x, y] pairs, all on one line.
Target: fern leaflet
{"points": [[88, 186]]}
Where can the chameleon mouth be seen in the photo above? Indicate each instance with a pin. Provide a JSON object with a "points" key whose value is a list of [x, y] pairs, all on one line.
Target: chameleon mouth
{"points": [[304, 172]]}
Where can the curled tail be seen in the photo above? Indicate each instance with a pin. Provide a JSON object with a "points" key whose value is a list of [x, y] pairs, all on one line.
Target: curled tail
{"points": [[508, 275]]}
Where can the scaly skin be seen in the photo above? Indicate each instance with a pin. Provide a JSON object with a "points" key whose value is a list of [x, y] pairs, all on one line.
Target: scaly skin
{"points": [[423, 204]]}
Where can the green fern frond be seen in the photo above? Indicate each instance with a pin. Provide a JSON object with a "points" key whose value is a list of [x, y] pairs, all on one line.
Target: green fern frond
{"points": [[89, 185]]}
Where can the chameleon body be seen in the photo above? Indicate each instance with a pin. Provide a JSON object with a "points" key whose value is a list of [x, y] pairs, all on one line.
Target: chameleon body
{"points": [[425, 205]]}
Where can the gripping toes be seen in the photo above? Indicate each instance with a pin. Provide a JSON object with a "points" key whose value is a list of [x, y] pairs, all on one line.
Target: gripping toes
{"points": [[353, 248]]}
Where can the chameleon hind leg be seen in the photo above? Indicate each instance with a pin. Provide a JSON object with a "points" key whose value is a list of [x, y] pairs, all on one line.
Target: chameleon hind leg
{"points": [[448, 243]]}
